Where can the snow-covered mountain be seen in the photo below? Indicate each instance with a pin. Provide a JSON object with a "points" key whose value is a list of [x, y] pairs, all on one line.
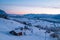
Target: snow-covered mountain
{"points": [[8, 25], [38, 24], [3, 14], [57, 16]]}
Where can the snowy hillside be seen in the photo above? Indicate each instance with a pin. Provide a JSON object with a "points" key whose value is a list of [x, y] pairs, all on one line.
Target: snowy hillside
{"points": [[29, 27], [8, 25]]}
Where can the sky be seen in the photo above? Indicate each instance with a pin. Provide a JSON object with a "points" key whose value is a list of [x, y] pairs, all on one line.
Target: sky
{"points": [[30, 6]]}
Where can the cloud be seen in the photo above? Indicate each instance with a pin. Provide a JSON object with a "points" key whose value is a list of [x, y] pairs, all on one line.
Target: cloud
{"points": [[26, 10], [31, 6]]}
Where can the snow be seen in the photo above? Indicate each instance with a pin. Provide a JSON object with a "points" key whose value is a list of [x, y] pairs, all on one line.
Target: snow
{"points": [[8, 25]]}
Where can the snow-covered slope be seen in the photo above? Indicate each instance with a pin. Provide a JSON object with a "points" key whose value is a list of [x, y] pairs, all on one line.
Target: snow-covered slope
{"points": [[8, 25]]}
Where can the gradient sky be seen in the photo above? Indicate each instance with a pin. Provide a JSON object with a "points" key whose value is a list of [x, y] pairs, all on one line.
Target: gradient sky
{"points": [[30, 6]]}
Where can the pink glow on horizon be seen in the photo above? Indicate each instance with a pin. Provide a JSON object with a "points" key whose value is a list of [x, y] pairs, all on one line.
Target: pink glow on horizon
{"points": [[35, 10], [15, 12]]}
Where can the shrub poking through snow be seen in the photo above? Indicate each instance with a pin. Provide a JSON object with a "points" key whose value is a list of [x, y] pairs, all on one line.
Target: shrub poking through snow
{"points": [[54, 35], [20, 31], [15, 33], [48, 31]]}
